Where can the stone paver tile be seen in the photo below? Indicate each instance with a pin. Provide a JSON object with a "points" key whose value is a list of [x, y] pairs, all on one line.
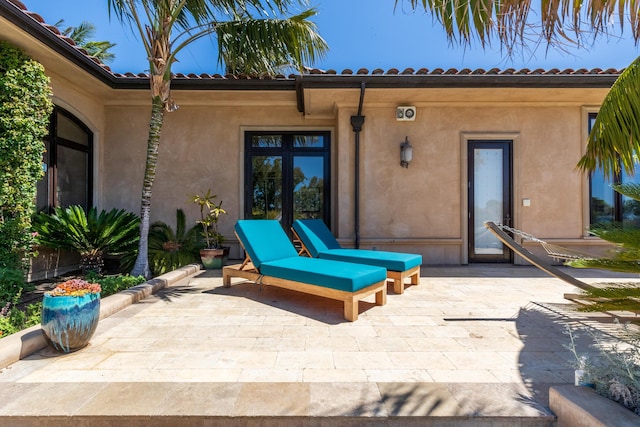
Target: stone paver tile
{"points": [[47, 398], [490, 344], [131, 398], [79, 360], [188, 360], [253, 331], [129, 344], [412, 320], [247, 359], [346, 399], [203, 344], [361, 360], [405, 331], [398, 375], [384, 343], [290, 320], [418, 399], [463, 376], [318, 330], [194, 375], [475, 359], [334, 375], [445, 330], [215, 399], [324, 343], [352, 330], [491, 399], [273, 399], [131, 360], [271, 375], [419, 360], [437, 344], [304, 359], [279, 344]]}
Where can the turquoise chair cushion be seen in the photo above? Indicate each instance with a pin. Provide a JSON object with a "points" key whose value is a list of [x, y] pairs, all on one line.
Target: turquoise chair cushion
{"points": [[318, 239], [264, 240], [337, 275], [315, 235], [392, 261]]}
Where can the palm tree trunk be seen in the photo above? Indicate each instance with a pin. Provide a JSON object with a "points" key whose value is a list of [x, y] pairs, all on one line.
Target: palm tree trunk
{"points": [[141, 267]]}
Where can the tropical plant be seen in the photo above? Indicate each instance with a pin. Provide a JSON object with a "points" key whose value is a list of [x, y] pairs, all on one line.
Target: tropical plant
{"points": [[91, 234], [25, 106], [210, 212], [252, 26], [169, 249], [82, 34], [113, 284]]}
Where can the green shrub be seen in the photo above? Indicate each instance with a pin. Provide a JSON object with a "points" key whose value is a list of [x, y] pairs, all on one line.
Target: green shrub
{"points": [[113, 284], [13, 320], [11, 284], [169, 249], [25, 107], [91, 234]]}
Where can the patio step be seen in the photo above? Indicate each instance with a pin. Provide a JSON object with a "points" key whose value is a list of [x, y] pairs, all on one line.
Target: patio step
{"points": [[265, 404]]}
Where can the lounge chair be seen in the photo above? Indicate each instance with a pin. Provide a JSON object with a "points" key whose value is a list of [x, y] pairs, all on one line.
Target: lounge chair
{"points": [[318, 242], [273, 260]]}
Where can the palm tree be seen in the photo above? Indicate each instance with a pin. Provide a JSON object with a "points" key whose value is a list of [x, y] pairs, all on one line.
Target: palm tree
{"points": [[82, 34], [240, 26]]}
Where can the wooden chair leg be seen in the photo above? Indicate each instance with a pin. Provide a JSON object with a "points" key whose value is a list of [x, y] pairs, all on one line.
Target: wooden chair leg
{"points": [[381, 297], [398, 285], [351, 309]]}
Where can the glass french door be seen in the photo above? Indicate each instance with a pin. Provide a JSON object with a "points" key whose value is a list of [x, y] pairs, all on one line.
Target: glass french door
{"points": [[287, 176], [489, 174]]}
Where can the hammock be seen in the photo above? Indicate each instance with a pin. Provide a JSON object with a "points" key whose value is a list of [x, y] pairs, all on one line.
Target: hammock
{"points": [[558, 253], [500, 233]]}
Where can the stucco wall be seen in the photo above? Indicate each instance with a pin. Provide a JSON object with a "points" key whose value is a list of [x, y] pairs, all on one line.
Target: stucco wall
{"points": [[420, 209]]}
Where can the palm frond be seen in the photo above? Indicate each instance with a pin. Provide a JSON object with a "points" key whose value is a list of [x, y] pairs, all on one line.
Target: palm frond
{"points": [[630, 189], [614, 141]]}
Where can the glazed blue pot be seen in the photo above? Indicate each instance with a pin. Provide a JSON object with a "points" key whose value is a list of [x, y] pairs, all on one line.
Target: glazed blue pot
{"points": [[69, 322]]}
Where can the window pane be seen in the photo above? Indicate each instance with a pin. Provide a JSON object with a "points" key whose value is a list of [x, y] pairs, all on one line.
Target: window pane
{"points": [[266, 141], [71, 183], [69, 130], [630, 207], [267, 187], [308, 141], [308, 192], [602, 199]]}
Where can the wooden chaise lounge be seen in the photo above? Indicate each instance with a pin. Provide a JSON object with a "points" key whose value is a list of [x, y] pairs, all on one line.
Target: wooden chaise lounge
{"points": [[318, 242], [273, 260]]}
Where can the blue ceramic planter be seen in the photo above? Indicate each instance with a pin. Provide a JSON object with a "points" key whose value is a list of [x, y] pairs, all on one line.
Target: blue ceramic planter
{"points": [[69, 322]]}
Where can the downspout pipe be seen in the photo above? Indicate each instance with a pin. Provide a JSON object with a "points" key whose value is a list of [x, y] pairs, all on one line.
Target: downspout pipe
{"points": [[356, 123]]}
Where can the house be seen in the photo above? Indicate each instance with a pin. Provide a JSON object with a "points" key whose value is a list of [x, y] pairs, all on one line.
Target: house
{"points": [[486, 145]]}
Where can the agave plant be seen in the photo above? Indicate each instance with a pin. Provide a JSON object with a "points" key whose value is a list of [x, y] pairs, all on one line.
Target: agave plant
{"points": [[169, 249], [93, 235]]}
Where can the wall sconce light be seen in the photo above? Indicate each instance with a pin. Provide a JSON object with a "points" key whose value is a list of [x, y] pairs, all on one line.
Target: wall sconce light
{"points": [[406, 153]]}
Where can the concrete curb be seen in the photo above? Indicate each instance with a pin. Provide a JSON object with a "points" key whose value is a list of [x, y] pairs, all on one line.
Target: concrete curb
{"points": [[581, 406], [21, 344]]}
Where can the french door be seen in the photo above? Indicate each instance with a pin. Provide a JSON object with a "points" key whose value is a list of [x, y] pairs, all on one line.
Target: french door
{"points": [[287, 176], [489, 174]]}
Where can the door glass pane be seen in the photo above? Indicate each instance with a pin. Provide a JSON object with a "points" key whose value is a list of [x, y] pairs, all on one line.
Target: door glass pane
{"points": [[308, 187], [267, 187], [71, 181], [488, 198], [42, 187]]}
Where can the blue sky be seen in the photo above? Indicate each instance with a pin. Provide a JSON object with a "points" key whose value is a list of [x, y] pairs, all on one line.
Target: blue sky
{"points": [[360, 34]]}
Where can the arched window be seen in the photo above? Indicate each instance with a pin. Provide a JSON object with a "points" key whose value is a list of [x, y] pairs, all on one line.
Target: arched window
{"points": [[67, 163]]}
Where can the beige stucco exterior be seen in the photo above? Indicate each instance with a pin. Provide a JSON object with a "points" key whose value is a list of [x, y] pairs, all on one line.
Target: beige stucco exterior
{"points": [[421, 209]]}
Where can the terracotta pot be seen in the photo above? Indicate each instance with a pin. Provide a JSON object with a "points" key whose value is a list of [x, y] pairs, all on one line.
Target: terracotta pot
{"points": [[214, 258], [69, 322]]}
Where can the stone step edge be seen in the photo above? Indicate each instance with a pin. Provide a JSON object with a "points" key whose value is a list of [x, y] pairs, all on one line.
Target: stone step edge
{"points": [[24, 343]]}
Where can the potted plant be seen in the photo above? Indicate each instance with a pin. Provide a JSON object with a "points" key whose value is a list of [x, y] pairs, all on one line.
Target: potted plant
{"points": [[213, 255], [70, 314]]}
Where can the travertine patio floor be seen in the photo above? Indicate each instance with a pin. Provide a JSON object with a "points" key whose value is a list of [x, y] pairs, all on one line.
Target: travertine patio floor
{"points": [[469, 341]]}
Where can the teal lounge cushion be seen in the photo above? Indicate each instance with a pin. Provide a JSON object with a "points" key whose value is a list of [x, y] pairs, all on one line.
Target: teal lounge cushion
{"points": [[393, 261], [342, 276], [315, 235], [264, 240]]}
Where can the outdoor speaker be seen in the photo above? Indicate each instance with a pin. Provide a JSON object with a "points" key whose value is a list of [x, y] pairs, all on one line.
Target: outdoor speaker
{"points": [[406, 113]]}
